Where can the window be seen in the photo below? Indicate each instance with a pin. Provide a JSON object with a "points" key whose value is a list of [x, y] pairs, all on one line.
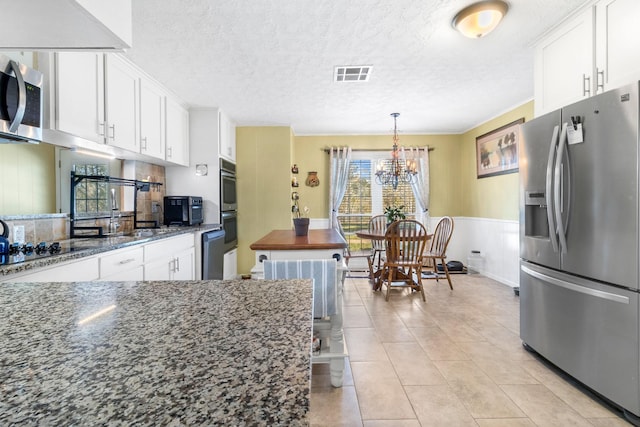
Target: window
{"points": [[92, 197], [364, 198]]}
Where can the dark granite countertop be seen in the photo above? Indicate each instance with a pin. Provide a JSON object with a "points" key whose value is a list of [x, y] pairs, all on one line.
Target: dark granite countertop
{"points": [[232, 353], [77, 248]]}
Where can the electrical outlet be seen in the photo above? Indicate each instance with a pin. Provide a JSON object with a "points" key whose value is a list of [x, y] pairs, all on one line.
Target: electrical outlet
{"points": [[18, 233], [155, 207]]}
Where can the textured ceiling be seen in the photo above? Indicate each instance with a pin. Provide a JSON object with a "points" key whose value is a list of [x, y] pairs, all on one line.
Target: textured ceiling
{"points": [[271, 62]]}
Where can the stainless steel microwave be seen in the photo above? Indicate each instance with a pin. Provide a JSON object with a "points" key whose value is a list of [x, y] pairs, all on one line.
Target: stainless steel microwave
{"points": [[21, 102]]}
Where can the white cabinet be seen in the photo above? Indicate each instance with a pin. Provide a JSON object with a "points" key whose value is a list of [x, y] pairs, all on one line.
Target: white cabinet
{"points": [[184, 265], [105, 99], [564, 64], [152, 131], [121, 103], [227, 137], [122, 264], [79, 100], [84, 270], [230, 265], [177, 132], [170, 259], [588, 54], [617, 43]]}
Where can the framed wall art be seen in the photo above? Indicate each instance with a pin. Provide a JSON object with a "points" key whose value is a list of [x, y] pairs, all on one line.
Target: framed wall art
{"points": [[497, 151]]}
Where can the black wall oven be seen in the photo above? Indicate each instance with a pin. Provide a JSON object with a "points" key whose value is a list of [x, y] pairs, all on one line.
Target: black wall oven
{"points": [[230, 227], [228, 204], [228, 200]]}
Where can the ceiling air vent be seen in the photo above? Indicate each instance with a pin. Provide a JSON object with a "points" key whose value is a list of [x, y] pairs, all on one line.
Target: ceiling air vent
{"points": [[352, 73]]}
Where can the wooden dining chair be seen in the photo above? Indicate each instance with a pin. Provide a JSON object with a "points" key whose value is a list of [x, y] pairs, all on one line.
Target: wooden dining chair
{"points": [[405, 242], [438, 249], [377, 225], [348, 255]]}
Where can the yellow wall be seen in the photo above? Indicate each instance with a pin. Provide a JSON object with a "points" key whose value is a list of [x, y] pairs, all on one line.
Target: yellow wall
{"points": [[27, 185], [264, 159], [443, 164], [265, 156], [496, 196]]}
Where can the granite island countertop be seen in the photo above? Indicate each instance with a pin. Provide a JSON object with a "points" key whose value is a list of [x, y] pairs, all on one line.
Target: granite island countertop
{"points": [[156, 353]]}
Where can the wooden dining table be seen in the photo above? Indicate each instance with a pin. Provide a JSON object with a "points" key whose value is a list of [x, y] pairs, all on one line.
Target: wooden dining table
{"points": [[378, 236]]}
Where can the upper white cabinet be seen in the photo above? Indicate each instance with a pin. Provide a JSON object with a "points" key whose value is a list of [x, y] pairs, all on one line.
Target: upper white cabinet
{"points": [[564, 64], [152, 119], [588, 54], [227, 137], [105, 99], [66, 24], [121, 103], [617, 43], [79, 100], [177, 132]]}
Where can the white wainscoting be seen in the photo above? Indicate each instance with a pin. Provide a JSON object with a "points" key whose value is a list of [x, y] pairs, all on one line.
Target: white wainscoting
{"points": [[497, 240], [498, 243]]}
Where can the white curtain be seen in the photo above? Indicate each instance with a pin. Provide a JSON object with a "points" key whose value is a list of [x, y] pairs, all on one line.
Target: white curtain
{"points": [[420, 182], [339, 158]]}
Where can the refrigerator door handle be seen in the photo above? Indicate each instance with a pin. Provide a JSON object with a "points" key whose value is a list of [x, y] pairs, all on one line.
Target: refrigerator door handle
{"points": [[557, 193], [549, 189], [576, 288]]}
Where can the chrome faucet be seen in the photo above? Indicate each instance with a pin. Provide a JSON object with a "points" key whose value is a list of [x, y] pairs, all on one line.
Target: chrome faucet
{"points": [[114, 225]]}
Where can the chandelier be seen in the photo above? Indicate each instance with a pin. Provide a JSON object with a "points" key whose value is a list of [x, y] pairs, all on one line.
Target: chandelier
{"points": [[397, 171]]}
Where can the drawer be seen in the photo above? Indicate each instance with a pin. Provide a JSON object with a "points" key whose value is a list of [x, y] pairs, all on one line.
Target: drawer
{"points": [[120, 260], [166, 247], [136, 273]]}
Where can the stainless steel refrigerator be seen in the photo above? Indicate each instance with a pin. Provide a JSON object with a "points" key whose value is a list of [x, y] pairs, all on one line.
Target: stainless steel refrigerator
{"points": [[579, 242]]}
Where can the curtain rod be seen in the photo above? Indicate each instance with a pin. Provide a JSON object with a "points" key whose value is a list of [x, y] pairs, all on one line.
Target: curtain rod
{"points": [[327, 150]]}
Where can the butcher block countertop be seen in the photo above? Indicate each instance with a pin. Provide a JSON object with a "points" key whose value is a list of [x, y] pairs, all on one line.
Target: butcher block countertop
{"points": [[156, 353], [287, 240]]}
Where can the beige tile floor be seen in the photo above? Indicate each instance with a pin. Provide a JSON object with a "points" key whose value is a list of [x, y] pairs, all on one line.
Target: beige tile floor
{"points": [[455, 360]]}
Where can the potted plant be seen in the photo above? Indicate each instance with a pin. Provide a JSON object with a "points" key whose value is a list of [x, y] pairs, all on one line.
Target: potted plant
{"points": [[394, 214], [300, 220]]}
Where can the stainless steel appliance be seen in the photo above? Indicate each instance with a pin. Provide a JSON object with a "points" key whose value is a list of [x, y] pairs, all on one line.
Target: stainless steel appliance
{"points": [[21, 102], [229, 222], [183, 210], [579, 242], [228, 201], [213, 254]]}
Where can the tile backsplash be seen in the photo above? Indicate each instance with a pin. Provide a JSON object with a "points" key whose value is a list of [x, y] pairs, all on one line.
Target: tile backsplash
{"points": [[39, 228], [55, 227]]}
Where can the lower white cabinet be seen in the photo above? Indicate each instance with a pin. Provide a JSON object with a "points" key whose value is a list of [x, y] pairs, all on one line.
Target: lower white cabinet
{"points": [[230, 265], [170, 259], [122, 264], [84, 270]]}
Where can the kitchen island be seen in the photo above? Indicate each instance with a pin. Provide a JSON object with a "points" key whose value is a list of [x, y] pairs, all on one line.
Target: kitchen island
{"points": [[318, 244], [156, 353]]}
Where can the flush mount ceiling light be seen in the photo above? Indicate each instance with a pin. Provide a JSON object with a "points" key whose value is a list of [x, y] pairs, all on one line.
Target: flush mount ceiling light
{"points": [[352, 73], [479, 19]]}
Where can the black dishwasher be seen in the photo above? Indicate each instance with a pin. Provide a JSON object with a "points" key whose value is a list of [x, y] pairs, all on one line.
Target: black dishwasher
{"points": [[212, 255]]}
